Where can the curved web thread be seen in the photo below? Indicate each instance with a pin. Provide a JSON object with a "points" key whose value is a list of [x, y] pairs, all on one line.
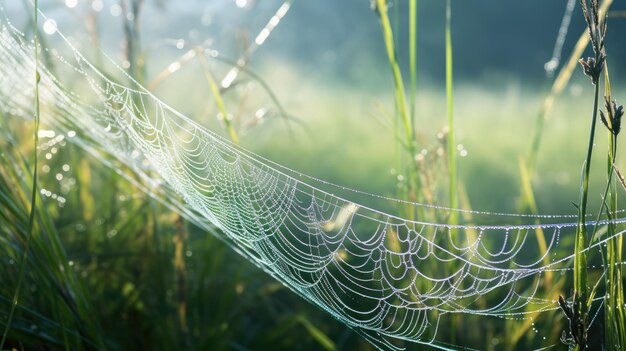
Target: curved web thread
{"points": [[387, 277]]}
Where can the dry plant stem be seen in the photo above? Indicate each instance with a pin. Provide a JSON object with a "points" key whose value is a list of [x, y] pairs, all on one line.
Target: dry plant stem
{"points": [[215, 90], [31, 217], [242, 61]]}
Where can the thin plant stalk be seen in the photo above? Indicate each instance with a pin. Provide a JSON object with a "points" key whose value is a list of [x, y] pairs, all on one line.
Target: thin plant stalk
{"points": [[614, 311], [397, 74], [401, 103], [131, 31], [580, 244], [31, 217], [413, 56], [528, 167], [592, 67], [613, 279], [454, 202], [560, 83], [215, 90]]}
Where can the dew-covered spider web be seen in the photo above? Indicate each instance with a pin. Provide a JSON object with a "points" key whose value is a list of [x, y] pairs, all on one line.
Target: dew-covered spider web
{"points": [[389, 278]]}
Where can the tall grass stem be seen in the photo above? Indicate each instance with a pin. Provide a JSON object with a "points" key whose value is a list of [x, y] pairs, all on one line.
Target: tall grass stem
{"points": [[413, 57], [454, 202], [580, 256], [33, 201], [401, 103]]}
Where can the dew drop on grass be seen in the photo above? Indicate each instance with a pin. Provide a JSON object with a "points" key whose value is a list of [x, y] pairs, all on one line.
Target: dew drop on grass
{"points": [[50, 26], [115, 10], [175, 66], [97, 5], [112, 233]]}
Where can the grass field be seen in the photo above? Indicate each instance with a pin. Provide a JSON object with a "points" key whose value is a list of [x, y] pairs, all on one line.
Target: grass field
{"points": [[107, 266]]}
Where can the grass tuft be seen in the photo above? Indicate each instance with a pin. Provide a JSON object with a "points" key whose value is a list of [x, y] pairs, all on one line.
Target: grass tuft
{"points": [[33, 200]]}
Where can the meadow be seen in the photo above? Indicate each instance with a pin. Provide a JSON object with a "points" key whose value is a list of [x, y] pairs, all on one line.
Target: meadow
{"points": [[113, 256]]}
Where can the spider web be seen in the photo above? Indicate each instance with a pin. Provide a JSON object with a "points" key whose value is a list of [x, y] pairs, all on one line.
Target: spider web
{"points": [[387, 277]]}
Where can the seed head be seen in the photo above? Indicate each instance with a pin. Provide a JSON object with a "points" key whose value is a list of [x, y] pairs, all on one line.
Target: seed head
{"points": [[613, 118], [597, 31], [593, 68]]}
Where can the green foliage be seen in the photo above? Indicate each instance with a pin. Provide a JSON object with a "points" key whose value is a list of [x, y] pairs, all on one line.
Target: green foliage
{"points": [[115, 269]]}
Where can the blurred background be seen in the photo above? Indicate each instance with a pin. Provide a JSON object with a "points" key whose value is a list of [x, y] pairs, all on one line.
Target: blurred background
{"points": [[314, 96]]}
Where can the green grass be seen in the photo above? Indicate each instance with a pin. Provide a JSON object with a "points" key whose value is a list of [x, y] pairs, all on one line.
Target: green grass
{"points": [[119, 271], [406, 119], [33, 201], [614, 308], [452, 151], [53, 308]]}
